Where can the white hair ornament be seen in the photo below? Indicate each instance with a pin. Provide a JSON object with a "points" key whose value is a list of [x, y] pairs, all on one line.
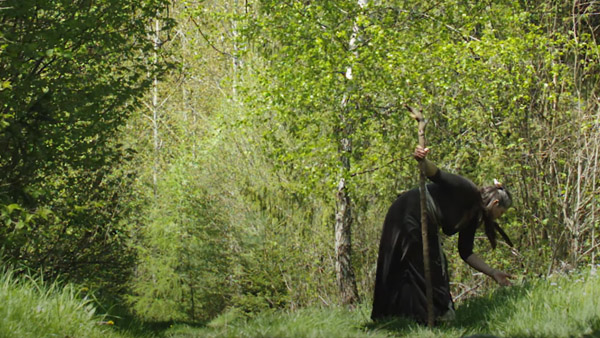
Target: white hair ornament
{"points": [[498, 184]]}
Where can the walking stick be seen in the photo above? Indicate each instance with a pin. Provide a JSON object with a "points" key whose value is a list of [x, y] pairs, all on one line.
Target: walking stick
{"points": [[417, 115]]}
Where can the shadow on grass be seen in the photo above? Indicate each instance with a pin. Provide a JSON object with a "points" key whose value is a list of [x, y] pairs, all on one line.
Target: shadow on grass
{"points": [[130, 325], [473, 316], [135, 328], [596, 330], [477, 312], [397, 326]]}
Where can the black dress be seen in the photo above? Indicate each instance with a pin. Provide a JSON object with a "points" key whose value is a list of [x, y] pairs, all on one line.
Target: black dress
{"points": [[454, 204]]}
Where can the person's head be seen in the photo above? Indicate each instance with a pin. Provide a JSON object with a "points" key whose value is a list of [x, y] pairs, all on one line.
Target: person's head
{"points": [[496, 200]]}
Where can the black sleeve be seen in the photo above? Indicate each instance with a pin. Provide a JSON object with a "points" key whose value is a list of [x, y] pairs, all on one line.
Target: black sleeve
{"points": [[466, 237], [464, 192], [436, 177], [445, 178]]}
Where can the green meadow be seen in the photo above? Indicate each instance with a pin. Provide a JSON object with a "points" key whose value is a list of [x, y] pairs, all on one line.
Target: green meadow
{"points": [[559, 306]]}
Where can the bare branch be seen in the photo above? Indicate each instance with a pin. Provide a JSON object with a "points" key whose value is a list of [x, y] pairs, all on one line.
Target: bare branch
{"points": [[207, 40]]}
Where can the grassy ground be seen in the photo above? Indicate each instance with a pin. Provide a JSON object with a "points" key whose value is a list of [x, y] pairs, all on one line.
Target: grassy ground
{"points": [[30, 308], [565, 306]]}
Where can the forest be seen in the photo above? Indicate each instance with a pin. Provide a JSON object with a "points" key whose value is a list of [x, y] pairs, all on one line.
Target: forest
{"points": [[186, 161]]}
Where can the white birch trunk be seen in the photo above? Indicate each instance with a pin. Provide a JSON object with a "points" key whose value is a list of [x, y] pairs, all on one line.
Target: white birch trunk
{"points": [[155, 111], [343, 217]]}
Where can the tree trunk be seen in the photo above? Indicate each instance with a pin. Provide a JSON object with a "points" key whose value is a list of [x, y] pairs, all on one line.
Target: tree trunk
{"points": [[343, 216], [155, 112], [235, 60], [343, 244]]}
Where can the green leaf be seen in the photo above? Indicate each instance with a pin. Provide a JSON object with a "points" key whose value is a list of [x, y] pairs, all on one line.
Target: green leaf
{"points": [[12, 207], [6, 84], [19, 225]]}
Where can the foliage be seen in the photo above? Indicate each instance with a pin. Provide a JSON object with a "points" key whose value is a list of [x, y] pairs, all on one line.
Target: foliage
{"points": [[34, 308], [71, 74], [66, 94], [80, 234], [183, 252], [262, 99], [181, 240], [490, 78], [209, 187], [248, 244]]}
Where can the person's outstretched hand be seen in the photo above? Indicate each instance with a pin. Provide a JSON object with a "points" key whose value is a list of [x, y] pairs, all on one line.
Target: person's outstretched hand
{"points": [[420, 153], [502, 277]]}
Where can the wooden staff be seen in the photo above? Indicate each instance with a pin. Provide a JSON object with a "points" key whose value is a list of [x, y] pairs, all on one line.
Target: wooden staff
{"points": [[417, 115]]}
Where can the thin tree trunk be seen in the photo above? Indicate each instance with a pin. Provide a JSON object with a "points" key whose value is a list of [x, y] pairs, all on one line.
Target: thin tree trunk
{"points": [[155, 112], [343, 216], [593, 218], [236, 61], [343, 220], [343, 247]]}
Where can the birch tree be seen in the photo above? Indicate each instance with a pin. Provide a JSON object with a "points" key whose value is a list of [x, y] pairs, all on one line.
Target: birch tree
{"points": [[343, 217]]}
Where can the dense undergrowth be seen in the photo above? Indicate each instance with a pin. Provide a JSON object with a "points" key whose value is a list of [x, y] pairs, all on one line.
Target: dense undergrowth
{"points": [[33, 308], [557, 306]]}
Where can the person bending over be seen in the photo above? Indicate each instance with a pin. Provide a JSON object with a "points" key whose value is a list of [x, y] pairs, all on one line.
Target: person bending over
{"points": [[455, 205]]}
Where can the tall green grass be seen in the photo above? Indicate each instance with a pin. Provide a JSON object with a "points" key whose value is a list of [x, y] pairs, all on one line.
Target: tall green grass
{"points": [[33, 308], [561, 306]]}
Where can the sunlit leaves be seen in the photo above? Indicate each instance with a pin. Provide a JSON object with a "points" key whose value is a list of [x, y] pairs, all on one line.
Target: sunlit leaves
{"points": [[493, 78], [70, 75]]}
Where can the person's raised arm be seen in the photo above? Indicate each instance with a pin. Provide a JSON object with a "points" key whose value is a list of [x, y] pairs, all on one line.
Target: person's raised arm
{"points": [[421, 156]]}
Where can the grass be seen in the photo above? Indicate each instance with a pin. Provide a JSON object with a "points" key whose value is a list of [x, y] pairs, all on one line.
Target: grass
{"points": [[564, 306], [30, 308], [561, 306]]}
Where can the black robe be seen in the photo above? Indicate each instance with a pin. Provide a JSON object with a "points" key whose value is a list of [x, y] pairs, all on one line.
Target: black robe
{"points": [[454, 205]]}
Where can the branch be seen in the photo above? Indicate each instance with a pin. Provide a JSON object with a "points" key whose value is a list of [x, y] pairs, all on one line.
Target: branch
{"points": [[588, 251], [451, 28], [466, 292], [417, 115], [207, 40], [376, 168]]}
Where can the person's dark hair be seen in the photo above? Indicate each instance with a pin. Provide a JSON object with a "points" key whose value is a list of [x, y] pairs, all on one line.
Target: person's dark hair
{"points": [[488, 195], [496, 192]]}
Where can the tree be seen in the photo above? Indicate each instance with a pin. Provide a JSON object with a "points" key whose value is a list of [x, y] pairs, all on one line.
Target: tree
{"points": [[71, 75], [184, 244], [474, 67]]}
